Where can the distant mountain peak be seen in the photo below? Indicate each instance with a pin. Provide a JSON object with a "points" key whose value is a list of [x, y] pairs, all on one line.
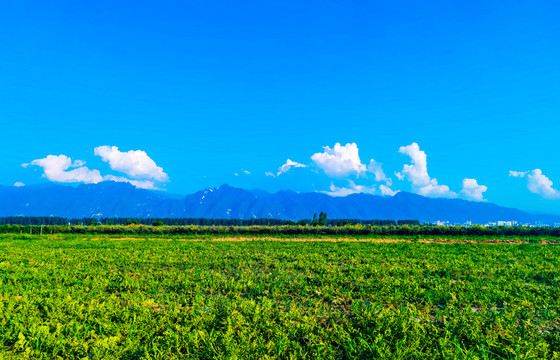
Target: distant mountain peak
{"points": [[110, 199], [406, 194]]}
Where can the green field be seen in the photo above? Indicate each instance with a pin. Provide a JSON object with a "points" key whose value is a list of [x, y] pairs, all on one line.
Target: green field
{"points": [[66, 296]]}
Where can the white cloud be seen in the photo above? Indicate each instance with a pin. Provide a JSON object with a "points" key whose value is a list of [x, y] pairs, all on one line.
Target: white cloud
{"points": [[18, 184], [417, 174], [61, 168], [142, 184], [433, 189], [387, 191], [242, 172], [352, 189], [472, 190], [134, 163], [518, 173], [340, 160], [343, 161], [538, 183], [286, 167], [55, 168], [375, 168]]}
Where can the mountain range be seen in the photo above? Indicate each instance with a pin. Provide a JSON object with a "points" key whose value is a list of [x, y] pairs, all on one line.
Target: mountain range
{"points": [[112, 199]]}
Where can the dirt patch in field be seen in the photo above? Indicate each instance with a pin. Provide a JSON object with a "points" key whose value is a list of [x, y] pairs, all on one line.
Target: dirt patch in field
{"points": [[376, 240], [325, 239], [125, 238]]}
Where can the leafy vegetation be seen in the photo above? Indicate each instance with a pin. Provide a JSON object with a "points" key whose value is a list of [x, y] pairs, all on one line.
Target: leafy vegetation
{"points": [[70, 296], [410, 231], [53, 220], [34, 220]]}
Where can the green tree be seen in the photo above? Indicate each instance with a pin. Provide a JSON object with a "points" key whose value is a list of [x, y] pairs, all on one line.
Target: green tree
{"points": [[323, 219], [315, 222]]}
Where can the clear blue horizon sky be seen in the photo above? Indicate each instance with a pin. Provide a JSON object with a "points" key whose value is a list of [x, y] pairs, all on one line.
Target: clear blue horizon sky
{"points": [[207, 90]]}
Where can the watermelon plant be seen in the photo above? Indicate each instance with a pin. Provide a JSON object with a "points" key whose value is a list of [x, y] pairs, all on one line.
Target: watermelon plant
{"points": [[74, 297]]}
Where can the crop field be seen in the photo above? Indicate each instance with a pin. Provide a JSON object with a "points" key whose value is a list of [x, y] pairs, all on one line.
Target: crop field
{"points": [[96, 297]]}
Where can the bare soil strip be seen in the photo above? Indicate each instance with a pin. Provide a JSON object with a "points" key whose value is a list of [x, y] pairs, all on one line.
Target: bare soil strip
{"points": [[325, 239]]}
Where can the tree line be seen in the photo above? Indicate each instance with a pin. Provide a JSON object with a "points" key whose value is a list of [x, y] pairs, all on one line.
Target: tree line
{"points": [[293, 230], [33, 220], [316, 221]]}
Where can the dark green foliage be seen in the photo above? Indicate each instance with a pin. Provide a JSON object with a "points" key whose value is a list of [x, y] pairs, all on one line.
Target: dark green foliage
{"points": [[346, 230], [53, 220], [323, 219], [64, 297], [408, 222], [33, 220]]}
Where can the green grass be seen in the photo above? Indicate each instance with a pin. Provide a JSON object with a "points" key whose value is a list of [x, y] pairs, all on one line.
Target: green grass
{"points": [[71, 297]]}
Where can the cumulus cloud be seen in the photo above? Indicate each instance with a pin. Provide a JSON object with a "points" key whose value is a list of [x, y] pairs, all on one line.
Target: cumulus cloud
{"points": [[375, 168], [538, 183], [518, 173], [340, 160], [142, 184], [387, 191], [471, 190], [417, 174], [18, 184], [55, 168], [433, 189], [242, 172], [137, 164], [351, 189], [286, 167], [134, 163]]}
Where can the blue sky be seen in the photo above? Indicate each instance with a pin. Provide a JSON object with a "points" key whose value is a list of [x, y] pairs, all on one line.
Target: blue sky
{"points": [[201, 91]]}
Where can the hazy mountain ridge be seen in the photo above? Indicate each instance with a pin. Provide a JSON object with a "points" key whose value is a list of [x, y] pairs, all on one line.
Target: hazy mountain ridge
{"points": [[109, 199]]}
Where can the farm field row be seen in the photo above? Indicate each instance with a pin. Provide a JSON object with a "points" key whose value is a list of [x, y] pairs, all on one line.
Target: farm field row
{"points": [[284, 237], [68, 296], [368, 239], [368, 231]]}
